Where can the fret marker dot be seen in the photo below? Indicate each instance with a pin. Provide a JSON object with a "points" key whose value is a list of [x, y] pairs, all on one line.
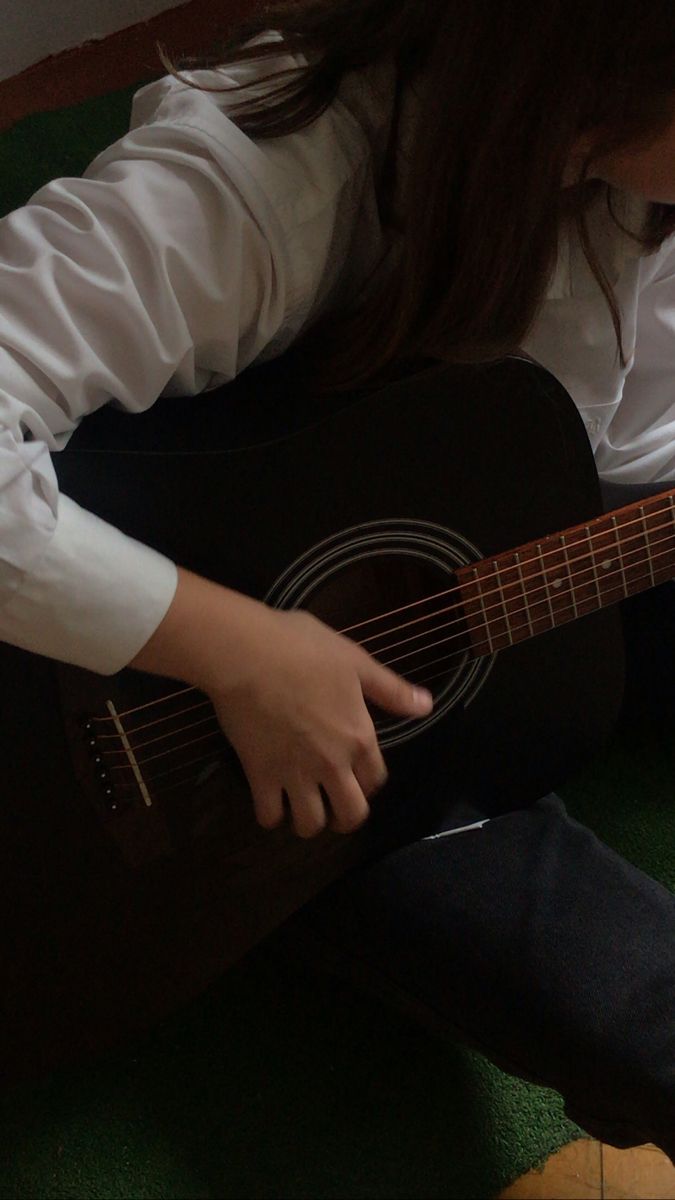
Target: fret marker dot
{"points": [[557, 582], [606, 564]]}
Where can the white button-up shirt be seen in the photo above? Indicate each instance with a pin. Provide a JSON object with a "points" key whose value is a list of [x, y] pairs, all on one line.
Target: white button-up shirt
{"points": [[188, 251]]}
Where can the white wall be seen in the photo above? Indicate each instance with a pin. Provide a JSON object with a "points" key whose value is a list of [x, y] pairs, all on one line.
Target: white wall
{"points": [[33, 29]]}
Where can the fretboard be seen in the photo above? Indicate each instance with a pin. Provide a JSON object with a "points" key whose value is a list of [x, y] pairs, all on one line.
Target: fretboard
{"points": [[546, 583]]}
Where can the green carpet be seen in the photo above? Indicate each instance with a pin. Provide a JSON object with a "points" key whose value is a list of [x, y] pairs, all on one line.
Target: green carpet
{"points": [[51, 145], [275, 1085]]}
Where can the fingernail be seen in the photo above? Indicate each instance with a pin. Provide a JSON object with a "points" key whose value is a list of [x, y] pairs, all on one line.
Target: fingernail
{"points": [[422, 699]]}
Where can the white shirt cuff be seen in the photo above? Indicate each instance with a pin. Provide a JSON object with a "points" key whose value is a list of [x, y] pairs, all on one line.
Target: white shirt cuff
{"points": [[93, 598]]}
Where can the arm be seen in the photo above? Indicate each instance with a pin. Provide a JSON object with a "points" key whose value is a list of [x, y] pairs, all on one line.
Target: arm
{"points": [[168, 262], [149, 274]]}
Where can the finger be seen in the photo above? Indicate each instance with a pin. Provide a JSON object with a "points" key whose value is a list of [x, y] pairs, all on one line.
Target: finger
{"points": [[370, 770], [347, 801], [391, 692], [308, 809], [268, 804]]}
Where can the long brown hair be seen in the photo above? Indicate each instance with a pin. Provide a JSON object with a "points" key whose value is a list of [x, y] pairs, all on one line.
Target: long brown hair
{"points": [[508, 88]]}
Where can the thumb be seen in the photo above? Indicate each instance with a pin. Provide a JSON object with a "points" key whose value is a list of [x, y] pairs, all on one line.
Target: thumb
{"points": [[393, 693]]}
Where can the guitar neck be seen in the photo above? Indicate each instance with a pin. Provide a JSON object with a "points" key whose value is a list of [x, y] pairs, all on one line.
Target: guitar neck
{"points": [[547, 583]]}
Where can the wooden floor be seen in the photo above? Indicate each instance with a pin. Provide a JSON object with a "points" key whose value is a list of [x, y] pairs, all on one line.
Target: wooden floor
{"points": [[588, 1169]]}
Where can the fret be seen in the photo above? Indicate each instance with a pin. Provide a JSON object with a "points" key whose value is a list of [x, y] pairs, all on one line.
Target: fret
{"points": [[502, 601], [637, 567], [526, 607], [563, 543], [594, 565], [580, 556], [486, 623], [645, 530], [607, 564], [671, 506], [618, 548], [647, 546], [515, 600], [540, 585], [607, 572], [663, 561], [498, 608], [659, 539], [492, 615], [664, 568], [521, 580], [546, 587]]}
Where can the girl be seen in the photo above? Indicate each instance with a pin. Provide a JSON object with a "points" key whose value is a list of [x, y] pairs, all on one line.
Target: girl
{"points": [[451, 181]]}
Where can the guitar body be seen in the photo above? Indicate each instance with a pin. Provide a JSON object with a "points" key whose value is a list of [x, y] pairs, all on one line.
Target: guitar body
{"points": [[118, 912]]}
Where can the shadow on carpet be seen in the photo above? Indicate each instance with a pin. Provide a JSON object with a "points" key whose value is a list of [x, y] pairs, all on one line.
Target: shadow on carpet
{"points": [[274, 1085]]}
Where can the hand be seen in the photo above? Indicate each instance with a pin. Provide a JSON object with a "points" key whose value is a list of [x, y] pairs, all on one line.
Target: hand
{"points": [[299, 723], [290, 694]]}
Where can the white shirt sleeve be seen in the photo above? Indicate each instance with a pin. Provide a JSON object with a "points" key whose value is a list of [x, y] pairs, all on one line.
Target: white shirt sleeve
{"points": [[161, 271]]}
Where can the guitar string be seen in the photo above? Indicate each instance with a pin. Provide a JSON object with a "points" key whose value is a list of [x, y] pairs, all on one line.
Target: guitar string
{"points": [[160, 721], [500, 624], [182, 766], [182, 745], [646, 532], [422, 667], [227, 749], [457, 589], [150, 703], [539, 557], [523, 583], [161, 737], [570, 577], [519, 584], [503, 619], [485, 595], [214, 756], [141, 762]]}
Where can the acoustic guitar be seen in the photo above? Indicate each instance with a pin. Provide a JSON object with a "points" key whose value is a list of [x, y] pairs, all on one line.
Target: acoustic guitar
{"points": [[450, 522]]}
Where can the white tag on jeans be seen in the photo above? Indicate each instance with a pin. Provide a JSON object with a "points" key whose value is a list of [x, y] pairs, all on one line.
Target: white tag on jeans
{"points": [[459, 829]]}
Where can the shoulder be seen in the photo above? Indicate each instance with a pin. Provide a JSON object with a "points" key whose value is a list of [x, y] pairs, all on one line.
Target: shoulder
{"points": [[310, 194], [301, 172]]}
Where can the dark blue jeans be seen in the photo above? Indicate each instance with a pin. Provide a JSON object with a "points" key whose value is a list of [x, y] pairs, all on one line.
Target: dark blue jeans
{"points": [[530, 939]]}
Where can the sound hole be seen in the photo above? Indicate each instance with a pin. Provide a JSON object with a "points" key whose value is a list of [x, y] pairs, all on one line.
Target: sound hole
{"points": [[402, 609]]}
